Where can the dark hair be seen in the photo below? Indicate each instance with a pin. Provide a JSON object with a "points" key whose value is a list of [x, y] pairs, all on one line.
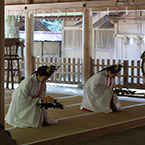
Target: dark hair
{"points": [[142, 55], [46, 70], [113, 68], [1, 126]]}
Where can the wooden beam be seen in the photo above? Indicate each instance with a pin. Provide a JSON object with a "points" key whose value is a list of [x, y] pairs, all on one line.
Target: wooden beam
{"points": [[2, 63], [67, 6]]}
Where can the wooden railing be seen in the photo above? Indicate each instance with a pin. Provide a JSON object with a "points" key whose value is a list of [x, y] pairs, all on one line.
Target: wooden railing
{"points": [[130, 75], [70, 71]]}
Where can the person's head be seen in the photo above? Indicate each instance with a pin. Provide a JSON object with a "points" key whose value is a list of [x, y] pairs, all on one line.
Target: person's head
{"points": [[44, 72], [143, 55], [113, 70]]}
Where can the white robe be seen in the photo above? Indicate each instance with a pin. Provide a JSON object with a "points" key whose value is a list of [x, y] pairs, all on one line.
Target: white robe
{"points": [[98, 94], [24, 110]]}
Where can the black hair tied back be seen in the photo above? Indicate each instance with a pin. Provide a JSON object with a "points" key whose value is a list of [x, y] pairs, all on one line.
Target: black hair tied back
{"points": [[46, 70], [116, 68]]}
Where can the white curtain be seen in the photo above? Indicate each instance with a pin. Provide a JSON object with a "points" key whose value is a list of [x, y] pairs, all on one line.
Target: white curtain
{"points": [[103, 39], [73, 39]]}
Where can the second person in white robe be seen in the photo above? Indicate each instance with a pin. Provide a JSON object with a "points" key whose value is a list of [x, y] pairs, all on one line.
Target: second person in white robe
{"points": [[98, 93]]}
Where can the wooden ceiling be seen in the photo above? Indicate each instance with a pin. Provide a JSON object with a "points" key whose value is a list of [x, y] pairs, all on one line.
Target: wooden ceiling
{"points": [[50, 6]]}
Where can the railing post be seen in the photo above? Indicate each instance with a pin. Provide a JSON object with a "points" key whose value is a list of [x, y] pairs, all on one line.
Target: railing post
{"points": [[125, 76], [33, 64]]}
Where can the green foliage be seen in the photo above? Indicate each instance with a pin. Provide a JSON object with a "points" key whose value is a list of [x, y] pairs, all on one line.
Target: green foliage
{"points": [[54, 105], [11, 27]]}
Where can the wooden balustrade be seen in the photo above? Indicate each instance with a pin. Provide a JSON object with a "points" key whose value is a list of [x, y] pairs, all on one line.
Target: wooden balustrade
{"points": [[70, 71]]}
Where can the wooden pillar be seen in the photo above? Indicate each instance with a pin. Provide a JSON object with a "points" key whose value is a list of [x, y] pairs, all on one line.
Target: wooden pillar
{"points": [[87, 45], [29, 30], [62, 44], [28, 1], [2, 62]]}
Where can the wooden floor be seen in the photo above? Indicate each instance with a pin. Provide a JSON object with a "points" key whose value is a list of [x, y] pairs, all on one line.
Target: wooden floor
{"points": [[75, 124]]}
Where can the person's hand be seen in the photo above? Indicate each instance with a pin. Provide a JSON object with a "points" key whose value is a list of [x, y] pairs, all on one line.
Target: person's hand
{"points": [[39, 101]]}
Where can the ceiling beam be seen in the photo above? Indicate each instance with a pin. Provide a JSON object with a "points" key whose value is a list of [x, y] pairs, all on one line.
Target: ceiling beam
{"points": [[77, 6]]}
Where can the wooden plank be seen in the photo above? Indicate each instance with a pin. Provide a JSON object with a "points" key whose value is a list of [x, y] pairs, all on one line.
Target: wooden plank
{"points": [[95, 69], [108, 62], [78, 70], [132, 71], [64, 69], [69, 69], [119, 74], [114, 61], [51, 60], [46, 60], [56, 76], [103, 63], [98, 65], [125, 80], [138, 71], [74, 70], [60, 69]]}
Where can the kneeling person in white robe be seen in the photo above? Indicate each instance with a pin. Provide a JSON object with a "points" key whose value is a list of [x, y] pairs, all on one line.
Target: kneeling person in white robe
{"points": [[24, 110], [98, 92]]}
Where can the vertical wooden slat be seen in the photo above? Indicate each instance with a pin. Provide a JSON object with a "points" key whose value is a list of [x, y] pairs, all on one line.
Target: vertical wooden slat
{"points": [[138, 71], [55, 60], [94, 65], [42, 61], [60, 69], [98, 65], [33, 64], [8, 66], [74, 70], [108, 62], [56, 73], [114, 61], [103, 63], [51, 60], [46, 59], [119, 61], [52, 63], [67, 72], [64, 69], [69, 69], [78, 70], [132, 71], [125, 77], [38, 62], [119, 75]]}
